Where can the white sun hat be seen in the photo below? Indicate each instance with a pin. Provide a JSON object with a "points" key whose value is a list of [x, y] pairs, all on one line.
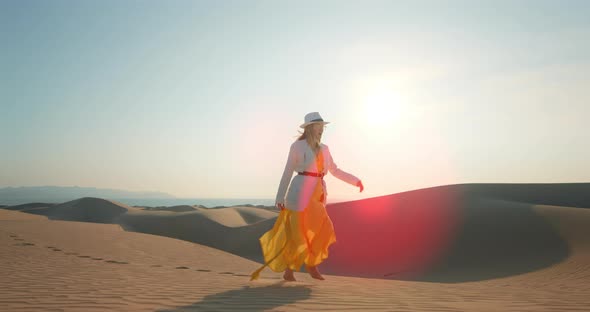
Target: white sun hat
{"points": [[311, 118]]}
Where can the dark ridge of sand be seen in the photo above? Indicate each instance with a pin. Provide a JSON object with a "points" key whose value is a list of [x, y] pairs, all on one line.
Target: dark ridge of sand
{"points": [[449, 241], [454, 233], [555, 194], [243, 205], [254, 215], [179, 208], [496, 239], [87, 209], [23, 207], [201, 229]]}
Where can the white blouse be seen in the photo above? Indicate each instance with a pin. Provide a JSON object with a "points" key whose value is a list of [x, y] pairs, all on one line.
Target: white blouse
{"points": [[300, 189]]}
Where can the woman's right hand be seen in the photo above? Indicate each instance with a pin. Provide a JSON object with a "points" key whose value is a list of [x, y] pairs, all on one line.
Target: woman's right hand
{"points": [[280, 206]]}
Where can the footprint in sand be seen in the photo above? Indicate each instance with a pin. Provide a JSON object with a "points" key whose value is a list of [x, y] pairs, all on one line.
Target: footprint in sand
{"points": [[121, 262], [157, 266], [19, 239], [241, 275], [24, 244], [116, 262]]}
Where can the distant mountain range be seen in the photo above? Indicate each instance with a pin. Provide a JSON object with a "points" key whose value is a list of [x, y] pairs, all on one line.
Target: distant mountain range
{"points": [[60, 194]]}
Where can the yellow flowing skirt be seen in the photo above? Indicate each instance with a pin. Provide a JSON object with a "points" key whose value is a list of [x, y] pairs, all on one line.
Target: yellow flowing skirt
{"points": [[298, 237]]}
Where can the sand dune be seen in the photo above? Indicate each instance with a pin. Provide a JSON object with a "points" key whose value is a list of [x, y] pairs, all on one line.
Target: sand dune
{"points": [[232, 229], [28, 206], [557, 194], [87, 209], [237, 216], [458, 247], [181, 208], [79, 266], [453, 233]]}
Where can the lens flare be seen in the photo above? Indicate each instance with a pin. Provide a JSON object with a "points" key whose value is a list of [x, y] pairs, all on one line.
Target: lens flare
{"points": [[396, 236]]}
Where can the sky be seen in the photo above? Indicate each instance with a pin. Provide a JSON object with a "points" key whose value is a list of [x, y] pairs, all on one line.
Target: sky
{"points": [[203, 98]]}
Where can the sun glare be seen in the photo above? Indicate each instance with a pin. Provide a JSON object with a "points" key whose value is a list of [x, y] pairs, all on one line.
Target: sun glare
{"points": [[382, 105]]}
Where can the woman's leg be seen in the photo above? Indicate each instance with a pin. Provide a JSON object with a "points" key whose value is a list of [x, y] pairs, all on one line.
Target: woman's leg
{"points": [[313, 271], [294, 241], [288, 276]]}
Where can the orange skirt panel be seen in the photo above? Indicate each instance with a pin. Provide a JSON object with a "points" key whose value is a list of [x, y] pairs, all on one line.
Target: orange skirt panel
{"points": [[298, 237]]}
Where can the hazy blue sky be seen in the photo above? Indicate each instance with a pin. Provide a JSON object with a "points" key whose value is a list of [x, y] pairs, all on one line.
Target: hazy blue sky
{"points": [[203, 98]]}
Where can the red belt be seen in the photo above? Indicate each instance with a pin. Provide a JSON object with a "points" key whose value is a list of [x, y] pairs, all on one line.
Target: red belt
{"points": [[312, 174]]}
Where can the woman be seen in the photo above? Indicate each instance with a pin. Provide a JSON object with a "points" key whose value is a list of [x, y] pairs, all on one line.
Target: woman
{"points": [[303, 230]]}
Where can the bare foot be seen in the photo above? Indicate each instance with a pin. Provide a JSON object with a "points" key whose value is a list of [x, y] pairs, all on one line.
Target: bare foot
{"points": [[288, 276], [313, 271]]}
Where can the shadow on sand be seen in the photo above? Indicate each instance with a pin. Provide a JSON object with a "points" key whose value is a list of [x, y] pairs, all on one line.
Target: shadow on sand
{"points": [[445, 234], [498, 239], [249, 299]]}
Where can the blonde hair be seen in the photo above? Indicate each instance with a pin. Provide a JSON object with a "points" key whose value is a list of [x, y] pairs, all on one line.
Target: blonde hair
{"points": [[307, 135]]}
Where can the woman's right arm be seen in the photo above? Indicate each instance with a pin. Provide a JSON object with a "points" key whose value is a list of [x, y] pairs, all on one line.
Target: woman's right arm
{"points": [[286, 178]]}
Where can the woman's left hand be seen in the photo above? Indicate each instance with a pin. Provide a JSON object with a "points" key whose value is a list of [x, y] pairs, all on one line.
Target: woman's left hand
{"points": [[360, 185]]}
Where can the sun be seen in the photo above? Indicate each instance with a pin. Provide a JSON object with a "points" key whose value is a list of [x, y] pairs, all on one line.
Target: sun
{"points": [[382, 105]]}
